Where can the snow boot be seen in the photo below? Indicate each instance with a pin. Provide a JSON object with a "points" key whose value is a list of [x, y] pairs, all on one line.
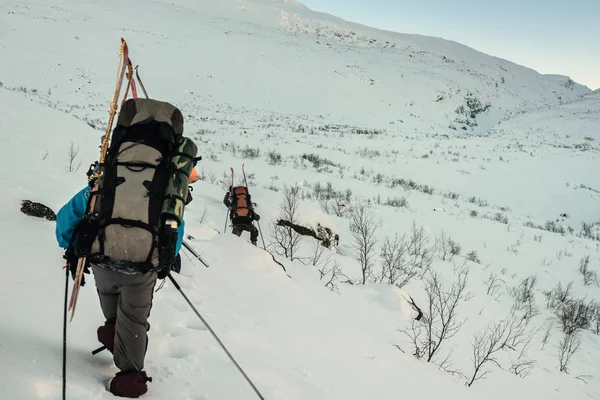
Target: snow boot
{"points": [[106, 335], [130, 384]]}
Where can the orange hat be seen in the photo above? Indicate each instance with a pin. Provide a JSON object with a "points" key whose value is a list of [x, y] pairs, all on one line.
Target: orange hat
{"points": [[194, 177]]}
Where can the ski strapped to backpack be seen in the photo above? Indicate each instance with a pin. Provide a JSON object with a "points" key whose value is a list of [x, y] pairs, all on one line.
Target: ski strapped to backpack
{"points": [[95, 172]]}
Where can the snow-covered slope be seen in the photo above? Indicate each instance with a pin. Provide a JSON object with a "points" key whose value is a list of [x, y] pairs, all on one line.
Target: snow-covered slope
{"points": [[288, 92], [271, 56]]}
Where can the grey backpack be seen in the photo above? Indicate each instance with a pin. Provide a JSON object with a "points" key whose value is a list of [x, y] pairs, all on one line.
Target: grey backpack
{"points": [[141, 197]]}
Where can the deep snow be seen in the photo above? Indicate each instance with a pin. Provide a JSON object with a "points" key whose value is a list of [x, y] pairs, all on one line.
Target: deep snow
{"points": [[275, 76]]}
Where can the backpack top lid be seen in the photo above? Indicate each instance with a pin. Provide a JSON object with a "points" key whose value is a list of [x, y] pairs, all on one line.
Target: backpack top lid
{"points": [[134, 111]]}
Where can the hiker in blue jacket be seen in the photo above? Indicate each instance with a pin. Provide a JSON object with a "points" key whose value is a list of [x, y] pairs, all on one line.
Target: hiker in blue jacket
{"points": [[125, 299]]}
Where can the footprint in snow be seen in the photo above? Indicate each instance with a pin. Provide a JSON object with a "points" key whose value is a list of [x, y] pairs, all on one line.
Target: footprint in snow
{"points": [[179, 351], [176, 331], [196, 325]]}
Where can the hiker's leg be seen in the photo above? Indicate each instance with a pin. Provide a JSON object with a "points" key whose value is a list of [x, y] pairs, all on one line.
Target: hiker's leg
{"points": [[108, 288], [237, 229], [135, 302], [253, 234]]}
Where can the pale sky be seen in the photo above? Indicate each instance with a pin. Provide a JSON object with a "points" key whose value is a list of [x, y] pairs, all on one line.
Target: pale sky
{"points": [[552, 36]]}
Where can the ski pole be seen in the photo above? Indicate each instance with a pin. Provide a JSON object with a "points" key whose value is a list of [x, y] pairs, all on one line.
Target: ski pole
{"points": [[261, 235], [226, 215], [64, 366], [137, 74], [189, 248], [216, 337]]}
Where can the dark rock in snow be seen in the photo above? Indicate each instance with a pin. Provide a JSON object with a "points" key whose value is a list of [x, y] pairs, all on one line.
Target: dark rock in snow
{"points": [[39, 210]]}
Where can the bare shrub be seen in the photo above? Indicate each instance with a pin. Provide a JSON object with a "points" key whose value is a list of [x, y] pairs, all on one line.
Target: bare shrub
{"points": [[363, 228], [547, 334], [440, 320], [589, 277], [72, 163], [249, 152], [397, 202], [508, 334], [286, 239], [419, 249], [568, 346], [273, 158], [447, 248], [331, 274], [524, 297], [472, 256], [203, 216], [493, 284], [395, 268]]}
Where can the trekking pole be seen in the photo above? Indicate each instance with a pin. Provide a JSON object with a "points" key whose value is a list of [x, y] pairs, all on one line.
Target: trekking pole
{"points": [[64, 366], [226, 215], [137, 74], [216, 337], [261, 235], [189, 248]]}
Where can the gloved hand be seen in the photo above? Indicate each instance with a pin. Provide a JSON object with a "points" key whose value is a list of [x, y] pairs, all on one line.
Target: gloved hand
{"points": [[163, 273], [72, 261], [256, 217], [176, 267]]}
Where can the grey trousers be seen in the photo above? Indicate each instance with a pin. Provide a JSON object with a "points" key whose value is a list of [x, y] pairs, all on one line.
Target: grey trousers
{"points": [[128, 299]]}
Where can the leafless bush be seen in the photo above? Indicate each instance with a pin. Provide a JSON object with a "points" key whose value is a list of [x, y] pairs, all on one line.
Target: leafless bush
{"points": [[589, 277], [274, 158], [596, 316], [440, 321], [332, 274], [493, 284], [395, 268], [573, 314], [522, 365], [249, 152], [285, 239], [510, 334], [338, 207], [72, 163], [447, 248], [547, 334], [559, 296], [524, 297], [472, 256], [419, 250], [203, 216], [363, 228], [568, 346]]}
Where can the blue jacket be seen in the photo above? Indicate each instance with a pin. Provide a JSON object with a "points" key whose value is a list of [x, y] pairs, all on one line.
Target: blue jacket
{"points": [[71, 213]]}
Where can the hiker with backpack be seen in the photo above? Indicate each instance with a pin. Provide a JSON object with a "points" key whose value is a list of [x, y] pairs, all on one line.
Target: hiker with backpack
{"points": [[241, 212], [132, 233]]}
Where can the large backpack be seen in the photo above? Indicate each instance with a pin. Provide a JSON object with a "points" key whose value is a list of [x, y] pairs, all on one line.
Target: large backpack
{"points": [[241, 206], [141, 196]]}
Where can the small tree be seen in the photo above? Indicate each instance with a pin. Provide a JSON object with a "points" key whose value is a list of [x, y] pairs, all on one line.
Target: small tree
{"points": [[446, 247], [440, 320], [395, 269], [286, 239], [510, 334], [72, 164], [568, 346], [589, 276], [363, 228], [420, 251]]}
